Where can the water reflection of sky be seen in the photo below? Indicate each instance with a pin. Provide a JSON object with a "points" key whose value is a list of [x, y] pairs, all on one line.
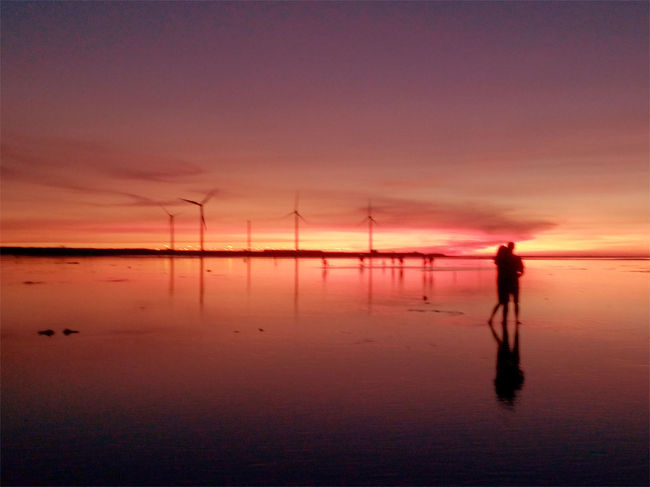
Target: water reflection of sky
{"points": [[284, 371]]}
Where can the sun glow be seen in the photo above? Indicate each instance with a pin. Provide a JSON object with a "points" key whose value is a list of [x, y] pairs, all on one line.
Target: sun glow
{"points": [[422, 240]]}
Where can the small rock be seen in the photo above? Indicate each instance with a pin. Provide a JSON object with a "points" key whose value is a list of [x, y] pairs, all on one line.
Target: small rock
{"points": [[48, 333]]}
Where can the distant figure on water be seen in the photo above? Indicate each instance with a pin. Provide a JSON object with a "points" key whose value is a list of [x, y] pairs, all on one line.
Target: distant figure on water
{"points": [[510, 268]]}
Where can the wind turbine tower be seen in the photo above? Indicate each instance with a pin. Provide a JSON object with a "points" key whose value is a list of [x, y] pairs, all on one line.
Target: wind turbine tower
{"points": [[171, 228], [297, 217], [371, 220], [202, 225], [248, 235]]}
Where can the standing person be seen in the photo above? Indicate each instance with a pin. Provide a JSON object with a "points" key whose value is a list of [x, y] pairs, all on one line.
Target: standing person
{"points": [[500, 260], [510, 268], [514, 269]]}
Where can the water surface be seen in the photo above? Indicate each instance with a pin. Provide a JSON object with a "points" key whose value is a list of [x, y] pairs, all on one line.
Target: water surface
{"points": [[263, 371]]}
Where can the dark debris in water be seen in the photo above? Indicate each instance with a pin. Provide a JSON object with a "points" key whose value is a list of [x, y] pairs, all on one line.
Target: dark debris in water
{"points": [[50, 332], [116, 280], [31, 283]]}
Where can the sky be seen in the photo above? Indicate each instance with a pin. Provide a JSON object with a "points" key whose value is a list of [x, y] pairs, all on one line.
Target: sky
{"points": [[463, 124]]}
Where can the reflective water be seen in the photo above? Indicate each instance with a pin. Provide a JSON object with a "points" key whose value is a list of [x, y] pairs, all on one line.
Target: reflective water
{"points": [[285, 372]]}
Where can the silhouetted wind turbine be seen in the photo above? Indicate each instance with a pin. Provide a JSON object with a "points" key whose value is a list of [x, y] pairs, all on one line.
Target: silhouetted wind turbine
{"points": [[171, 227], [202, 225], [248, 235], [297, 217], [371, 220]]}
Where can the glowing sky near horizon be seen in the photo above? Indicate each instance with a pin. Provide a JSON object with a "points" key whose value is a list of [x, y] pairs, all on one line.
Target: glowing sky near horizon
{"points": [[466, 124]]}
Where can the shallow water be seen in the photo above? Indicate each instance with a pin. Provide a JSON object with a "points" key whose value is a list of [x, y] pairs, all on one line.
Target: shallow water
{"points": [[263, 371]]}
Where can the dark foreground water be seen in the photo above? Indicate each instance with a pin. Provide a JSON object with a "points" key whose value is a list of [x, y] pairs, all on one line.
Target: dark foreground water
{"points": [[282, 372]]}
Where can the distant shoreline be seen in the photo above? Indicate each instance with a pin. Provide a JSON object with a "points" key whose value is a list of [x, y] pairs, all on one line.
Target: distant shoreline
{"points": [[312, 254], [93, 252]]}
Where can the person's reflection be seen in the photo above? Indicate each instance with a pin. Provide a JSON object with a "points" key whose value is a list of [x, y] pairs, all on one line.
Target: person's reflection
{"points": [[510, 377], [427, 282]]}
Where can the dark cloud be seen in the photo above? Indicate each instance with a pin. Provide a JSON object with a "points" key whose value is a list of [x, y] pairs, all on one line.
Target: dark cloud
{"points": [[471, 216], [396, 214], [57, 160], [165, 171]]}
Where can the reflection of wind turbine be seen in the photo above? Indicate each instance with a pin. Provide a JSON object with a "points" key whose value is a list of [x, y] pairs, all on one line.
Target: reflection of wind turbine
{"points": [[297, 218], [371, 220], [202, 225], [171, 227]]}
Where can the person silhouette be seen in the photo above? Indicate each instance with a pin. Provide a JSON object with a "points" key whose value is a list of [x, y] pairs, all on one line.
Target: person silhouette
{"points": [[510, 268], [499, 260], [514, 270]]}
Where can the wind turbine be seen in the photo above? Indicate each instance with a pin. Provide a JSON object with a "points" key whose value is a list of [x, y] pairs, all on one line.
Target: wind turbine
{"points": [[248, 235], [202, 225], [297, 217], [371, 220], [171, 227]]}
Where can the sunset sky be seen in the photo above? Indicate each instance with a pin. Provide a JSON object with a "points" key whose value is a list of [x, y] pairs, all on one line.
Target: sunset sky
{"points": [[466, 124]]}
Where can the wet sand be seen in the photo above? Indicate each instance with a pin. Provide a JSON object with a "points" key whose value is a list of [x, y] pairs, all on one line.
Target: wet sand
{"points": [[281, 371]]}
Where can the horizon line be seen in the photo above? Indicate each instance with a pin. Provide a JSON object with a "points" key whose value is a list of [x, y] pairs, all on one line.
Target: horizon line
{"points": [[97, 251]]}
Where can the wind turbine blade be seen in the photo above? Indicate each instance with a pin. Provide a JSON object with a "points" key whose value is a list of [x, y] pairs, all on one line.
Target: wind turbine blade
{"points": [[289, 214], [300, 216], [208, 196], [165, 210], [191, 201], [203, 221]]}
